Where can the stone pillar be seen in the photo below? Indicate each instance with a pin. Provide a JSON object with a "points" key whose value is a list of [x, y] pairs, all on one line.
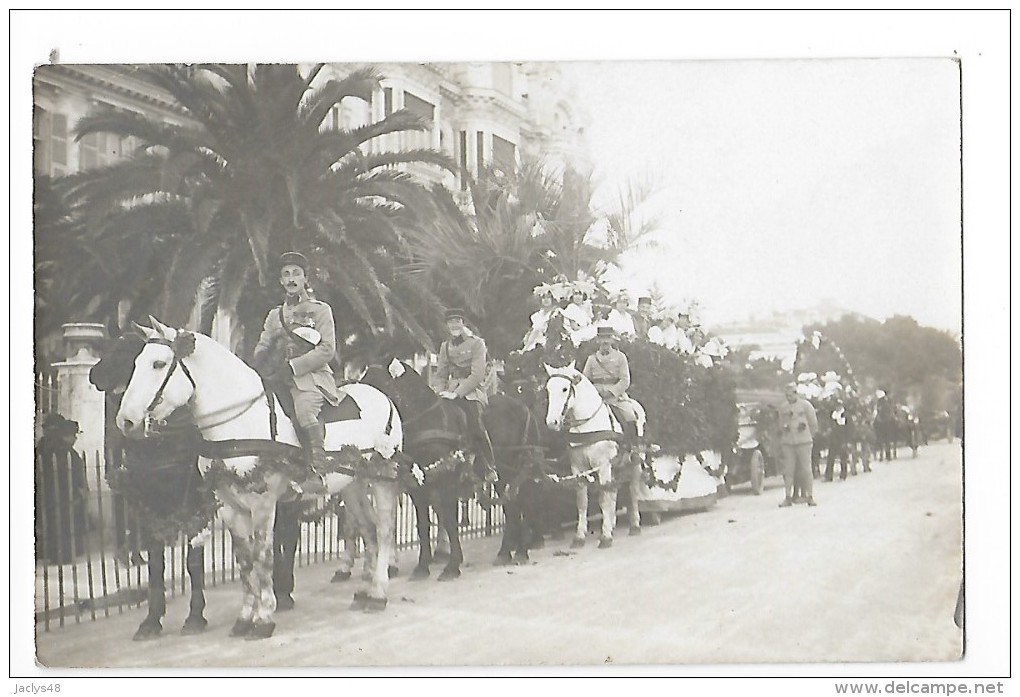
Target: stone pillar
{"points": [[77, 398]]}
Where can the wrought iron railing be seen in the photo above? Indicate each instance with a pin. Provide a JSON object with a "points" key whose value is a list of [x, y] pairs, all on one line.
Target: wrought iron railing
{"points": [[90, 563]]}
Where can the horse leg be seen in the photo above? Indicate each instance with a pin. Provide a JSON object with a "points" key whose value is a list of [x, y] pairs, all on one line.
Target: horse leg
{"points": [[240, 525], [607, 502], [152, 626], [448, 520], [351, 531], [442, 548], [359, 505], [634, 507], [384, 494], [196, 622], [263, 521], [582, 514], [511, 528], [420, 499], [286, 532]]}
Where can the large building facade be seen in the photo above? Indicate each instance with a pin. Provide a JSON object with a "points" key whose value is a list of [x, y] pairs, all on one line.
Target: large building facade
{"points": [[481, 113]]}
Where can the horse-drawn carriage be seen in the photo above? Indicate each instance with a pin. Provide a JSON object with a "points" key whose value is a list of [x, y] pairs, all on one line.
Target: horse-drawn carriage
{"points": [[755, 456]]}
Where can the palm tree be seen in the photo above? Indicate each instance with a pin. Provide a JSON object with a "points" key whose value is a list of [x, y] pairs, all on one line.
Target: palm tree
{"points": [[527, 228], [208, 206]]}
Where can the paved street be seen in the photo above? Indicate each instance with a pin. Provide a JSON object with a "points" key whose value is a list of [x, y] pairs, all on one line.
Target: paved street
{"points": [[871, 574]]}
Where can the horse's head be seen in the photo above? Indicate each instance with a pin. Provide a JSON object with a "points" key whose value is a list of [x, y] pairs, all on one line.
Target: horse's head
{"points": [[411, 391], [561, 389], [160, 382]]}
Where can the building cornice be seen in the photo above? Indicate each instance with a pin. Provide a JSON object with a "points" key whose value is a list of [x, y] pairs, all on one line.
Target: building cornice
{"points": [[111, 80]]}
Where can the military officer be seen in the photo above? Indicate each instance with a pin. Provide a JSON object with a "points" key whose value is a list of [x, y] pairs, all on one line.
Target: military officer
{"points": [[298, 342], [798, 424], [460, 376], [643, 320], [609, 370]]}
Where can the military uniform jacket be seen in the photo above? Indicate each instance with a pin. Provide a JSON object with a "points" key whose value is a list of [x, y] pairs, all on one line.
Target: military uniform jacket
{"points": [[309, 365], [461, 367], [641, 325], [610, 374], [798, 422]]}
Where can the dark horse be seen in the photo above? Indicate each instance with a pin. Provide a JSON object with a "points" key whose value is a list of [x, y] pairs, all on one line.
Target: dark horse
{"points": [[434, 429], [520, 466], [160, 475]]}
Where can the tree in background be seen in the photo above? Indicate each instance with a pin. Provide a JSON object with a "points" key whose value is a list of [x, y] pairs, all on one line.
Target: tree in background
{"points": [[202, 210], [525, 228], [916, 365], [758, 373]]}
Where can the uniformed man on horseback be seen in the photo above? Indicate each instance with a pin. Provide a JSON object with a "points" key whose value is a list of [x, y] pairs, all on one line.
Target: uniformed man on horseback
{"points": [[609, 370], [297, 344], [460, 375]]}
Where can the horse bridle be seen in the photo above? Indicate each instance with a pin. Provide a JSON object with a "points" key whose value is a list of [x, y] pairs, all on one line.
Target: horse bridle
{"points": [[573, 423], [179, 361]]}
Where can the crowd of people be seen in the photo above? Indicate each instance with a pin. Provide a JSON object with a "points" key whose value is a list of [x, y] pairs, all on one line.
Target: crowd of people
{"points": [[584, 309]]}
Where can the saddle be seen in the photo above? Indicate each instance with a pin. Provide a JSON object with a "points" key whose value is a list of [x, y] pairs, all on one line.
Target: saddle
{"points": [[346, 410], [627, 423]]}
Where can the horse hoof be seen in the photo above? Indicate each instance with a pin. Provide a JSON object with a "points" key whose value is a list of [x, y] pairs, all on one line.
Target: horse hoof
{"points": [[284, 603], [261, 631], [635, 531], [194, 625], [340, 577], [374, 605], [449, 574], [503, 560], [605, 543], [420, 573], [392, 570], [241, 628], [360, 600], [522, 557], [147, 631], [577, 543], [537, 543]]}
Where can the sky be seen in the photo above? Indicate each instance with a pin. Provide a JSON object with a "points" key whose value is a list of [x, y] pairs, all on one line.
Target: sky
{"points": [[783, 183]]}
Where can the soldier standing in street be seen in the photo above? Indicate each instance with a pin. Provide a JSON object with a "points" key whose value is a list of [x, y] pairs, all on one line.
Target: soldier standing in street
{"points": [[460, 376], [298, 342], [798, 425]]}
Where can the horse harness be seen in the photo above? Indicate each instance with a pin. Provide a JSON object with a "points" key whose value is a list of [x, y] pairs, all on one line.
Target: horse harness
{"points": [[579, 440], [244, 447]]}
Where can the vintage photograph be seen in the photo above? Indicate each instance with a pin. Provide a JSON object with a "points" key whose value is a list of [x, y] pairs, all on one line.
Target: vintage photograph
{"points": [[498, 363]]}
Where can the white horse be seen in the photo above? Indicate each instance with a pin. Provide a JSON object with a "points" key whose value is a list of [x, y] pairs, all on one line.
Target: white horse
{"points": [[245, 433], [594, 434]]}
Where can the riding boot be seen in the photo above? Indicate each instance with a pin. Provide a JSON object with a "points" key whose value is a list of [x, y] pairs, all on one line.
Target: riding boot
{"points": [[315, 448], [481, 443]]}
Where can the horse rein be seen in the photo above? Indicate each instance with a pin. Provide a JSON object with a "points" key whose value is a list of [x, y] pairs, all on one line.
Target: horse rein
{"points": [[178, 361], [574, 423]]}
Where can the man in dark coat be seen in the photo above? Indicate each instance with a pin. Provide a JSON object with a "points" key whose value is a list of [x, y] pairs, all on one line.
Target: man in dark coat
{"points": [[60, 517]]}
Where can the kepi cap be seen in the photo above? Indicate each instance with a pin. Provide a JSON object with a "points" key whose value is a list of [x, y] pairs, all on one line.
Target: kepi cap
{"points": [[296, 259]]}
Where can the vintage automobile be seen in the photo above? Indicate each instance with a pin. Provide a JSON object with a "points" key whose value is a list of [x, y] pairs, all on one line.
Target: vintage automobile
{"points": [[755, 456]]}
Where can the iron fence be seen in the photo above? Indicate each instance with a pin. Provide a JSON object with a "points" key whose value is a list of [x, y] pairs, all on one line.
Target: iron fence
{"points": [[90, 561]]}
